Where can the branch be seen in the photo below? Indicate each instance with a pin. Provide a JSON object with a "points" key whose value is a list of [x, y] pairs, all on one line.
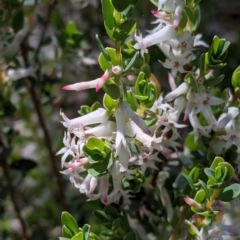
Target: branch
{"points": [[13, 196], [45, 26], [47, 140]]}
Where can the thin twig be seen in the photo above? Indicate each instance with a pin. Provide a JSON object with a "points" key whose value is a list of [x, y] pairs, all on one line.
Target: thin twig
{"points": [[13, 196], [45, 26], [48, 143]]}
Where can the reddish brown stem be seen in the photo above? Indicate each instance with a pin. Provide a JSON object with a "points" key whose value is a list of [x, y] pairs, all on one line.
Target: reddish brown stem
{"points": [[13, 196]]}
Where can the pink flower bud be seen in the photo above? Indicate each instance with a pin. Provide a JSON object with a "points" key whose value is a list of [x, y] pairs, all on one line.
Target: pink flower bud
{"points": [[96, 83], [102, 80], [78, 163], [81, 86], [191, 202], [117, 70]]}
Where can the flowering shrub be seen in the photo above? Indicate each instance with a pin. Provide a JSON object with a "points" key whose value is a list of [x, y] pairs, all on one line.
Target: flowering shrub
{"points": [[163, 163], [116, 147]]}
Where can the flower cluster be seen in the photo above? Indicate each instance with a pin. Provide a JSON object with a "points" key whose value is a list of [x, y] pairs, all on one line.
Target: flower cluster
{"points": [[109, 148], [133, 146]]}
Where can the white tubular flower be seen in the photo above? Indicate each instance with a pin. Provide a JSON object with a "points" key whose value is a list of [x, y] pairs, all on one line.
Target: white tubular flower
{"points": [[170, 124], [163, 17], [81, 86], [77, 163], [178, 107], [160, 105], [74, 176], [172, 142], [150, 142], [97, 83], [203, 102], [233, 135], [171, 81], [88, 185], [176, 62], [145, 160], [117, 191], [198, 42], [130, 113], [103, 190], [223, 232], [183, 44], [181, 89], [98, 116], [16, 74], [120, 138], [177, 15], [162, 35], [70, 148], [104, 130], [123, 158], [227, 117], [189, 106], [198, 129]]}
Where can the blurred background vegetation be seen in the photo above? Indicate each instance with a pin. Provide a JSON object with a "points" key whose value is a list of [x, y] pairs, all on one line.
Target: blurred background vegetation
{"points": [[60, 45]]}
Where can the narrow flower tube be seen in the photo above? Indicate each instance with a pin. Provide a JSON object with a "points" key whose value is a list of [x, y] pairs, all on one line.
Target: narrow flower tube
{"points": [[98, 116], [188, 110], [103, 188], [162, 15], [177, 15], [123, 158], [120, 139], [81, 86], [133, 130], [191, 202], [171, 81], [70, 148], [181, 89], [179, 105], [162, 35], [127, 109], [96, 83], [102, 80], [89, 184], [226, 118], [103, 130], [78, 163]]}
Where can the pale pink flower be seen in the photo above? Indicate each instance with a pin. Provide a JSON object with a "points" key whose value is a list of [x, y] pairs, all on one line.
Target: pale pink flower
{"points": [[97, 83]]}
